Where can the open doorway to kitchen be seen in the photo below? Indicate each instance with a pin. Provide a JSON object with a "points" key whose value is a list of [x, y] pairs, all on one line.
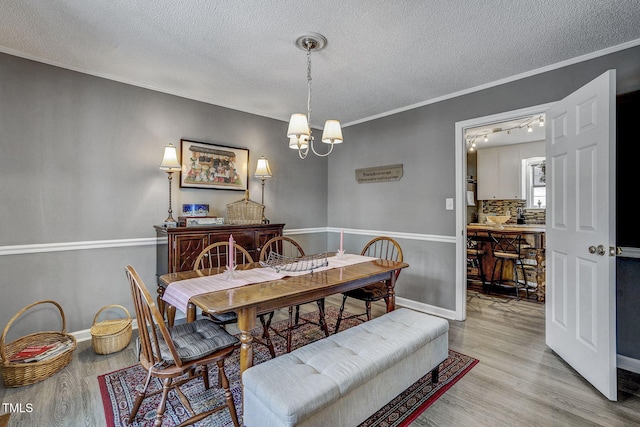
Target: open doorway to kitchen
{"points": [[506, 183], [509, 144]]}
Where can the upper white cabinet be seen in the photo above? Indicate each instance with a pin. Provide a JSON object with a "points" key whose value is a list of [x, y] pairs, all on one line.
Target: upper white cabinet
{"points": [[488, 175], [500, 173], [500, 170], [510, 174]]}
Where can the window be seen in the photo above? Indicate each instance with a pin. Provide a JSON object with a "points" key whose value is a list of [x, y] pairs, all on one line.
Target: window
{"points": [[536, 183]]}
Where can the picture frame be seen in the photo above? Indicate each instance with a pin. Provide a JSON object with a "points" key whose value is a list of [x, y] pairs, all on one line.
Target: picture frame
{"points": [[213, 166]]}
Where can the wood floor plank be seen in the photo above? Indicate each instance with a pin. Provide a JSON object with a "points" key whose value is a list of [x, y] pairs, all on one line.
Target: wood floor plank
{"points": [[518, 382]]}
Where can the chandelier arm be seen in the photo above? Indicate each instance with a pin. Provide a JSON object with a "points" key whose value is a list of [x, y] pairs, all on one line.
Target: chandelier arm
{"points": [[303, 153], [321, 155]]}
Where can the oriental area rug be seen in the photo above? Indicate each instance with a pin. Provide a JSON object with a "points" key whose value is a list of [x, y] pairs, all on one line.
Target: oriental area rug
{"points": [[118, 389]]}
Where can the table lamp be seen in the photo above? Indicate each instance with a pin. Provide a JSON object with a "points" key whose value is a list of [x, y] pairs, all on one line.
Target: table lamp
{"points": [[170, 164], [263, 172]]}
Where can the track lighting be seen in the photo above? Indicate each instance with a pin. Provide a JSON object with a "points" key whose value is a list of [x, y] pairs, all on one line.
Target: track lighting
{"points": [[484, 133]]}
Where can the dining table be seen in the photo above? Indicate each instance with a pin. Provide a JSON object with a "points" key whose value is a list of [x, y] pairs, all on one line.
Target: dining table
{"points": [[252, 289]]}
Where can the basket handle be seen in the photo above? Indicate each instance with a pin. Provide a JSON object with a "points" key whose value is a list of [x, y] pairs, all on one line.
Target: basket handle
{"points": [[20, 313], [110, 306]]}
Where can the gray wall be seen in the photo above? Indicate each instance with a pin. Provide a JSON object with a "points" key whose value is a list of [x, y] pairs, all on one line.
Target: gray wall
{"points": [[79, 162], [80, 157], [423, 140], [628, 315]]}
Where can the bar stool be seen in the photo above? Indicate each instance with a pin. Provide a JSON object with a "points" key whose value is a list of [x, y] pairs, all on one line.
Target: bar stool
{"points": [[506, 247], [475, 254]]}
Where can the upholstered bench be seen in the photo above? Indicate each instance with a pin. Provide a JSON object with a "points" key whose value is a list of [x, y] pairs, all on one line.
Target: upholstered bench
{"points": [[345, 378]]}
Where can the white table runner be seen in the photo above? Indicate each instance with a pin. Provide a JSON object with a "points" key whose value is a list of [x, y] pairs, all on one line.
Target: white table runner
{"points": [[179, 293]]}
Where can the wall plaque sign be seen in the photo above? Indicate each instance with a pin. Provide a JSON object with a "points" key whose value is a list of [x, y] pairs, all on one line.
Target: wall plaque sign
{"points": [[379, 174]]}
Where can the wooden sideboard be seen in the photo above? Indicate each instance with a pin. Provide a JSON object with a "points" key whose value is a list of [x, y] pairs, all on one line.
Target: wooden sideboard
{"points": [[178, 247]]}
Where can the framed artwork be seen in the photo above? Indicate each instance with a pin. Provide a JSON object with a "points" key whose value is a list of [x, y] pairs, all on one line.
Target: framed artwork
{"points": [[213, 166]]}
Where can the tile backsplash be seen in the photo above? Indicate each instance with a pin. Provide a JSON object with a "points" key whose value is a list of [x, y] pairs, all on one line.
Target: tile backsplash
{"points": [[500, 207]]}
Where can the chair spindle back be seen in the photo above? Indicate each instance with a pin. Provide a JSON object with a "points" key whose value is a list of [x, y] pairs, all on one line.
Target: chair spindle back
{"points": [[281, 245], [216, 255], [150, 321], [384, 248]]}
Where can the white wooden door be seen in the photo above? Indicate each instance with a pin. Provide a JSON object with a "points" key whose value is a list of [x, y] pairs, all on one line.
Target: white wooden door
{"points": [[580, 171]]}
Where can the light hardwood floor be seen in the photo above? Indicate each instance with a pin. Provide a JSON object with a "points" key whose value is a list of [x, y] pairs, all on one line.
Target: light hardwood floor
{"points": [[518, 382]]}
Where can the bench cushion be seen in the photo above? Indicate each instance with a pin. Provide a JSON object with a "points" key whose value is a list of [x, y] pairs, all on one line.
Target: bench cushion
{"points": [[300, 383]]}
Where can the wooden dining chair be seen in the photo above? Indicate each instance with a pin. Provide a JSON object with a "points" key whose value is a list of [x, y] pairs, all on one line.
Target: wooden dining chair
{"points": [[383, 248], [289, 248], [216, 255], [179, 354]]}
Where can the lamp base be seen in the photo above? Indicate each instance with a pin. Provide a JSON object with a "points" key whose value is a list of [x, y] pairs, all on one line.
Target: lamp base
{"points": [[169, 222]]}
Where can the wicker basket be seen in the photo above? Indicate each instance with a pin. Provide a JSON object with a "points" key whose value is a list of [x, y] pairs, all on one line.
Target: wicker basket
{"points": [[109, 336], [17, 374], [245, 212]]}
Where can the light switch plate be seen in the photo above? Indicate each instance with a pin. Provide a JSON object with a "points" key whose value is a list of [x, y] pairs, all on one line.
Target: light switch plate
{"points": [[448, 203]]}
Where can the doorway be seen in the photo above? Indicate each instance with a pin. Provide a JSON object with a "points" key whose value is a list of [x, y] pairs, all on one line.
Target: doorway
{"points": [[492, 126], [506, 164]]}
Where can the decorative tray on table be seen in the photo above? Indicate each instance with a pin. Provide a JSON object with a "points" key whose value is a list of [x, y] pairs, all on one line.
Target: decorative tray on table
{"points": [[304, 263]]}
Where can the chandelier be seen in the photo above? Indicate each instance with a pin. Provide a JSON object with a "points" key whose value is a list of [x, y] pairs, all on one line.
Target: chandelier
{"points": [[299, 131]]}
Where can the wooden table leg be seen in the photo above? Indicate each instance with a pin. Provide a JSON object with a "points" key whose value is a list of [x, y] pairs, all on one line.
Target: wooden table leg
{"points": [[171, 314], [161, 304], [191, 312], [391, 300], [246, 322]]}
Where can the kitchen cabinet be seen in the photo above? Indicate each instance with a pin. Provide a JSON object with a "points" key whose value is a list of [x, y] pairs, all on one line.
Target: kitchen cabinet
{"points": [[500, 174]]}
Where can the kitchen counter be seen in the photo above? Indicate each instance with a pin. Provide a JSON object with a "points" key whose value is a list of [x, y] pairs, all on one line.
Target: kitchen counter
{"points": [[523, 228], [534, 237]]}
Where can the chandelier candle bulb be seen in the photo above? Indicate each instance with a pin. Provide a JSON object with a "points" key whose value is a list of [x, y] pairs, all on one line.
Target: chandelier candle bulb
{"points": [[298, 126], [332, 133]]}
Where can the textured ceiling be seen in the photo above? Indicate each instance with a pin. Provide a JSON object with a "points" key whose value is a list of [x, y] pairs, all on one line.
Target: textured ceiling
{"points": [[382, 55]]}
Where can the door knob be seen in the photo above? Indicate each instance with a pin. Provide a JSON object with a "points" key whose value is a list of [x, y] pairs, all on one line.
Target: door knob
{"points": [[600, 250], [613, 251], [592, 249]]}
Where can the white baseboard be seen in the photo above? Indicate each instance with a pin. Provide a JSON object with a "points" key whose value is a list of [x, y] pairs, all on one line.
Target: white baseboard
{"points": [[85, 334], [628, 364], [426, 308]]}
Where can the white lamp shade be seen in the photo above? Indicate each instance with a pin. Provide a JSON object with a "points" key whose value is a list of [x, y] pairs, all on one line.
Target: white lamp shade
{"points": [[332, 133], [170, 161], [298, 125], [299, 143], [262, 170]]}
